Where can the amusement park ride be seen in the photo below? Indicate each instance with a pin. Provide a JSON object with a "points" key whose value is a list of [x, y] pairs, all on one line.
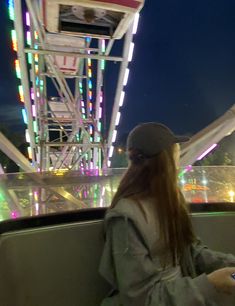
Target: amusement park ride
{"points": [[63, 48]]}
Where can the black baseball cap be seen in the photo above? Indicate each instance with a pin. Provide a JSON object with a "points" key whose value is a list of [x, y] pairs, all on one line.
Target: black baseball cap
{"points": [[151, 138]]}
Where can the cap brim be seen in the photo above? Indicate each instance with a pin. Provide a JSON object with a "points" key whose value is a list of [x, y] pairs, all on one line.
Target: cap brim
{"points": [[182, 139]]}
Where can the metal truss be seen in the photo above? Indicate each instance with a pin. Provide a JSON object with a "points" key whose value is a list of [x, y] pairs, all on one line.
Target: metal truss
{"points": [[63, 94]]}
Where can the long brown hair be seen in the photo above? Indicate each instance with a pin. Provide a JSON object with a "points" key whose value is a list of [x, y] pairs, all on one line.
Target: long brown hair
{"points": [[156, 178]]}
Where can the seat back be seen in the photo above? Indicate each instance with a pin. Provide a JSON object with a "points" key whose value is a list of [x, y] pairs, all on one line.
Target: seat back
{"points": [[216, 230], [52, 266], [57, 264]]}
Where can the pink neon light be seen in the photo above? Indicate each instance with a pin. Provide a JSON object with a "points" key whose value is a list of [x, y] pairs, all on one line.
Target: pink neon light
{"points": [[14, 214], [101, 97], [32, 94], [189, 167], [100, 113], [207, 151], [27, 19], [33, 110]]}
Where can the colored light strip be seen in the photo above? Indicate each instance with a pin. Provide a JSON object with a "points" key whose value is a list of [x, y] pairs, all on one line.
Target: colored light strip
{"points": [[90, 84], [102, 64], [101, 97], [21, 93], [28, 38], [207, 151], [103, 46], [27, 137], [14, 40], [27, 19], [36, 58], [35, 126], [188, 168], [32, 93], [33, 110], [30, 153], [24, 114], [100, 112], [36, 35], [89, 73], [90, 106], [11, 10], [125, 80], [17, 67], [30, 58], [90, 94], [17, 64]]}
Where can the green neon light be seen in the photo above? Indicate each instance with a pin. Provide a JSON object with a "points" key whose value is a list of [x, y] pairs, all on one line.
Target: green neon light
{"points": [[35, 127], [11, 10], [102, 64], [30, 58]]}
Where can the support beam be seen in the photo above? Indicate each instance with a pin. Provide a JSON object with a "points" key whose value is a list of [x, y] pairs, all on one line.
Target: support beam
{"points": [[80, 55], [14, 154], [124, 64], [207, 137]]}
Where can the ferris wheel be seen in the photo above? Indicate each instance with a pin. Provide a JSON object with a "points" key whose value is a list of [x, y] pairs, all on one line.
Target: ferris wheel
{"points": [[62, 50]]}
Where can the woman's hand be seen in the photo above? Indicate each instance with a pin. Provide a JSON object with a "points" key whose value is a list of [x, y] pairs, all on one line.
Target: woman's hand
{"points": [[222, 280]]}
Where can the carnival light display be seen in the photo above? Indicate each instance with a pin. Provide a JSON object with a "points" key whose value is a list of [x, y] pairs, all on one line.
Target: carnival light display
{"points": [[207, 151], [17, 65], [122, 96], [89, 100]]}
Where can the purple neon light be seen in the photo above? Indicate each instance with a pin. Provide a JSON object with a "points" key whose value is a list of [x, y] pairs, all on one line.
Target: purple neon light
{"points": [[27, 19], [207, 151]]}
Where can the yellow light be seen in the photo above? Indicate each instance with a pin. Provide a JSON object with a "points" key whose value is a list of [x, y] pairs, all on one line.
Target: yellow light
{"points": [[14, 40], [30, 152], [36, 35], [60, 172], [89, 73], [231, 193], [36, 57]]}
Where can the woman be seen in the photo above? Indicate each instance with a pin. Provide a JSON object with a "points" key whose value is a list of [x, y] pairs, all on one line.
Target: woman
{"points": [[151, 255]]}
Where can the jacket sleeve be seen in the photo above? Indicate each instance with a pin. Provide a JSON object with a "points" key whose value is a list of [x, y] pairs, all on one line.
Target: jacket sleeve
{"points": [[139, 280], [207, 260]]}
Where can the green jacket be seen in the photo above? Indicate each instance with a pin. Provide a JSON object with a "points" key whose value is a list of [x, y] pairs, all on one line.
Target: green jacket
{"points": [[132, 268]]}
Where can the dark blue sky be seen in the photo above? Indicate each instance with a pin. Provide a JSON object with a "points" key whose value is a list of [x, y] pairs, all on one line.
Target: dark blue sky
{"points": [[182, 73]]}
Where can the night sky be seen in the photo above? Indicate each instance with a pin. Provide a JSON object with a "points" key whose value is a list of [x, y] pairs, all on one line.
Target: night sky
{"points": [[183, 68]]}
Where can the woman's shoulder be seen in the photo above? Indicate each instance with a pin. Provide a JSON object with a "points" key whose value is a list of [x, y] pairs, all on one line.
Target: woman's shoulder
{"points": [[125, 207], [133, 214], [130, 209]]}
